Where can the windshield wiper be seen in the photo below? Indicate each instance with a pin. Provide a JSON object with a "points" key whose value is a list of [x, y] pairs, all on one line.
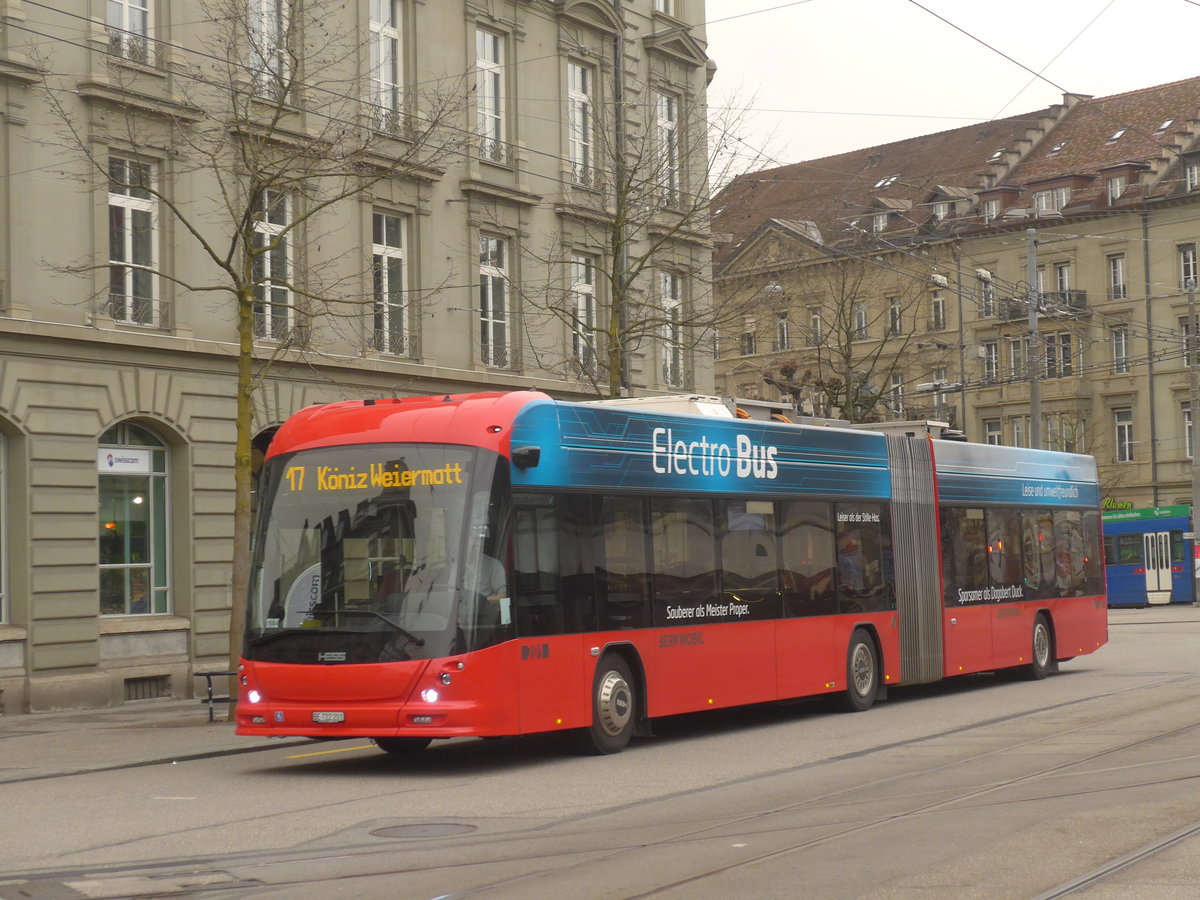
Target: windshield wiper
{"points": [[420, 642]]}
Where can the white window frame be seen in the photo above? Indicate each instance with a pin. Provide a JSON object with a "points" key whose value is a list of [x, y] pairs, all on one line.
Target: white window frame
{"points": [[490, 96], [1020, 431], [1188, 435], [939, 378], [133, 283], [1120, 345], [387, 63], [1123, 434], [1191, 176], [1062, 279], [987, 297], [816, 328], [1115, 187], [860, 320], [272, 266], [1060, 355], [991, 210], [494, 313], [268, 24], [665, 6], [991, 362], [666, 129], [670, 290], [937, 311], [992, 434], [581, 122], [583, 311], [129, 29], [1188, 265], [783, 332], [896, 394], [1018, 358], [1118, 289], [389, 275]]}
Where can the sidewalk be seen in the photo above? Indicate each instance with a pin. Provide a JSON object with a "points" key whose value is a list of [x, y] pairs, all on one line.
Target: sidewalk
{"points": [[139, 733]]}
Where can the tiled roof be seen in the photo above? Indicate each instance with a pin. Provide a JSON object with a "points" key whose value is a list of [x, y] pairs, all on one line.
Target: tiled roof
{"points": [[1079, 143]]}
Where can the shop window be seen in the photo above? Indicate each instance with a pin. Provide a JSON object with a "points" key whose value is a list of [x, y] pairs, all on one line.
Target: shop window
{"points": [[132, 466]]}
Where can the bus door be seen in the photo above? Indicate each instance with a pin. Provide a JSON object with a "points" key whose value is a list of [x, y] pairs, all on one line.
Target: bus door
{"points": [[1157, 555]]}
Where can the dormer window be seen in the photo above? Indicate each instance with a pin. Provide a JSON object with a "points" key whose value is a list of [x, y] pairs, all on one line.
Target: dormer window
{"points": [[879, 222], [1052, 200], [1164, 126], [1116, 187], [995, 157], [1116, 135], [991, 210], [1191, 175], [886, 182], [942, 209]]}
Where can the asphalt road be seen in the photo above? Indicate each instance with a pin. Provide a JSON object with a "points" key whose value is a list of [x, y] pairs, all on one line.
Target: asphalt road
{"points": [[984, 787]]}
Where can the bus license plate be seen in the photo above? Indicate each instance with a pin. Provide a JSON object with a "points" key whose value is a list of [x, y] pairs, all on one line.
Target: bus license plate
{"points": [[329, 718]]}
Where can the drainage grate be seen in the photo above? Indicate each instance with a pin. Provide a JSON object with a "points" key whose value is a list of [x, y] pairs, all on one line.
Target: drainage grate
{"points": [[150, 688], [442, 829]]}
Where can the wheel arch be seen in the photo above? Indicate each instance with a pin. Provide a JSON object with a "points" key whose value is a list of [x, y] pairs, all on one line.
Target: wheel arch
{"points": [[873, 634], [627, 651]]}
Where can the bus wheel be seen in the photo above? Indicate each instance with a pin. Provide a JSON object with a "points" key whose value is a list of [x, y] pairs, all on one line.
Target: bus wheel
{"points": [[614, 707], [862, 673], [402, 746], [1043, 645]]}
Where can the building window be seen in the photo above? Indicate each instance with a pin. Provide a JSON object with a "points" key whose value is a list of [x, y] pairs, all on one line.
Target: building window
{"points": [[672, 330], [388, 270], [1117, 289], [896, 395], [268, 31], [783, 336], [991, 210], [939, 378], [272, 265], [987, 297], [1190, 447], [942, 210], [1058, 355], [489, 95], [1188, 339], [1062, 279], [667, 130], [1187, 265], [895, 317], [1120, 345], [879, 222], [991, 432], [816, 332], [1016, 358], [937, 311], [579, 123], [991, 362], [1020, 431], [1116, 187], [1051, 200], [1191, 176], [749, 338], [129, 29], [665, 6], [1123, 434], [132, 465], [132, 242], [583, 311], [860, 320], [385, 63], [493, 302]]}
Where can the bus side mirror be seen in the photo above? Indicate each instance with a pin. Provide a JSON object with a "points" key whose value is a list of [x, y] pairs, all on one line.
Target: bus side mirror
{"points": [[526, 457]]}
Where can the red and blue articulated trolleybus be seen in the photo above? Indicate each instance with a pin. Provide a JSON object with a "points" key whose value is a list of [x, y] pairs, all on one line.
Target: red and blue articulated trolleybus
{"points": [[502, 564]]}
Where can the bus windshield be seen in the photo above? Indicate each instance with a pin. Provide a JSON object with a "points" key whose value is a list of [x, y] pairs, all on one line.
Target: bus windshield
{"points": [[363, 553]]}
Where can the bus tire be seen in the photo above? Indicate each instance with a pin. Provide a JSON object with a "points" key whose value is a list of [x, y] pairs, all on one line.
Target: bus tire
{"points": [[862, 672], [614, 707], [1042, 650], [401, 746]]}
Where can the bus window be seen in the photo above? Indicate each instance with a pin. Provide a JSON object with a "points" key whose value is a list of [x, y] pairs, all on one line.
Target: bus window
{"points": [[682, 535], [1069, 553], [1037, 550], [864, 553], [1177, 547], [749, 565], [807, 558], [1093, 565], [1004, 553], [1110, 549], [536, 565], [964, 556], [622, 574]]}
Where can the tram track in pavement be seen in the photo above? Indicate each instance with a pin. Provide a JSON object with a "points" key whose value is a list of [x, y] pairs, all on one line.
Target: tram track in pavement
{"points": [[569, 857]]}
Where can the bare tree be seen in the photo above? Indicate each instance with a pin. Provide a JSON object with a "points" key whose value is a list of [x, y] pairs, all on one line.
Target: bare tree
{"points": [[274, 120]]}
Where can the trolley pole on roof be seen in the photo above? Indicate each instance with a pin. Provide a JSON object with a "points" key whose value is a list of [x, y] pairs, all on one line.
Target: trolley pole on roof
{"points": [[1194, 415]]}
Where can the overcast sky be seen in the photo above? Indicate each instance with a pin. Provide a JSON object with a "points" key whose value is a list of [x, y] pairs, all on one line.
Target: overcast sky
{"points": [[827, 76]]}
